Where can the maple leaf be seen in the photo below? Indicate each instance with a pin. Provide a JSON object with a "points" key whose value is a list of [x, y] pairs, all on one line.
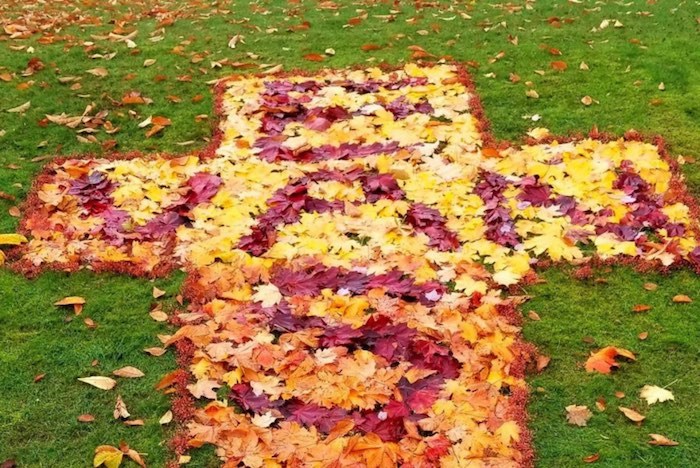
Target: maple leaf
{"points": [[653, 394], [267, 294], [578, 415], [603, 361], [375, 452], [204, 389]]}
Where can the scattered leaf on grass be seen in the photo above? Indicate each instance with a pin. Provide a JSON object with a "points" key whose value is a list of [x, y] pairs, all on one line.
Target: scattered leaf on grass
{"points": [[110, 457], [158, 292], [39, 377], [21, 109], [653, 394], [578, 415], [103, 383], [643, 336], [542, 362], [661, 440], [166, 418], [86, 418], [314, 57], [603, 361], [158, 315], [134, 422], [70, 300], [651, 286], [99, 72], [155, 351], [641, 308], [632, 415], [586, 100], [129, 372], [120, 411], [592, 458], [531, 93], [682, 299]]}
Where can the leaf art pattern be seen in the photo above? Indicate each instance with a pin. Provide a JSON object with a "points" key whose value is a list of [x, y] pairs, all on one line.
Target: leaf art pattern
{"points": [[350, 237]]}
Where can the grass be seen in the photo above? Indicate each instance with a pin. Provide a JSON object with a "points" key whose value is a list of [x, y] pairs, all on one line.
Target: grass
{"points": [[626, 65]]}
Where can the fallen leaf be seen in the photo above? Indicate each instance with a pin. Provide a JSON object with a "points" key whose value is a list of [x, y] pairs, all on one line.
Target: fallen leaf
{"points": [[631, 414], [531, 93], [650, 286], [149, 62], [559, 65], [233, 42], [314, 57], [12, 239], [643, 336], [134, 422], [619, 395], [110, 457], [155, 351], [592, 458], [661, 440], [578, 415], [21, 109], [103, 383], [653, 394], [641, 308], [583, 66], [129, 372], [682, 299], [99, 72], [603, 361], [120, 411], [586, 100], [158, 315], [600, 404], [39, 377], [158, 292], [70, 300], [662, 86], [86, 418], [166, 418], [542, 362]]}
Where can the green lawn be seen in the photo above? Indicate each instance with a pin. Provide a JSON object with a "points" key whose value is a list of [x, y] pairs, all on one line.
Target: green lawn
{"points": [[626, 65]]}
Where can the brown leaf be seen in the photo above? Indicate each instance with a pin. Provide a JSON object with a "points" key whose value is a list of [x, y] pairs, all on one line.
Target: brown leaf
{"points": [[542, 362], [103, 383], [86, 418], [157, 292], [658, 439], [533, 316], [21, 109], [619, 395], [531, 93], [39, 377], [158, 315], [631, 414], [641, 308], [643, 336], [129, 372], [134, 422], [578, 415], [600, 404], [155, 351], [682, 299], [99, 72], [90, 323], [651, 286], [592, 458], [120, 411], [586, 100], [14, 212]]}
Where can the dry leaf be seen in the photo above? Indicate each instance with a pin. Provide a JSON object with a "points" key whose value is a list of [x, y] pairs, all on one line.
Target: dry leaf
{"points": [[641, 308], [578, 415], [158, 315], [632, 415], [86, 418], [682, 299], [166, 418], [21, 109], [653, 394], [643, 336], [542, 362], [661, 440], [586, 100], [157, 292], [155, 351], [129, 372], [103, 383], [651, 286], [70, 300], [120, 411], [99, 71], [134, 422], [149, 62], [603, 361], [531, 93], [592, 458]]}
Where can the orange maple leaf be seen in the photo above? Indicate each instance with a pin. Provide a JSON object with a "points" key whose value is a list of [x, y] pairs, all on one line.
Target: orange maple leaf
{"points": [[603, 361]]}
